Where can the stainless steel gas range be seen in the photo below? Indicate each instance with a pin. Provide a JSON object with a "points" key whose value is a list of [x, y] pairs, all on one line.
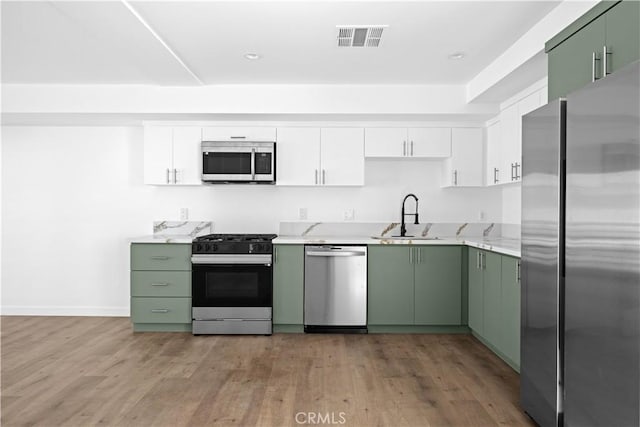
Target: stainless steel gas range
{"points": [[232, 284]]}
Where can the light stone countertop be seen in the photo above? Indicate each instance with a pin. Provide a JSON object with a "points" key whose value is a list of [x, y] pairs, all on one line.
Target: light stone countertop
{"points": [[162, 238], [500, 245]]}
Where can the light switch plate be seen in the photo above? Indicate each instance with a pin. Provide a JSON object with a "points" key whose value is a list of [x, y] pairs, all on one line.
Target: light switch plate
{"points": [[184, 214]]}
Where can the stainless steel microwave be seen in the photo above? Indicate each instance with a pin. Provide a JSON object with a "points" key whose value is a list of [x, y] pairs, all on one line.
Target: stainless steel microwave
{"points": [[238, 162]]}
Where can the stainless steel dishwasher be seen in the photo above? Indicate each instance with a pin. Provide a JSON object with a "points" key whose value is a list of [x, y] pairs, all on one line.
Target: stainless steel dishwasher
{"points": [[335, 289]]}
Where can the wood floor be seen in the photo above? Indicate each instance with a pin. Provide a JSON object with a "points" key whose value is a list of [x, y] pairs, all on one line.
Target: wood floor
{"points": [[80, 371]]}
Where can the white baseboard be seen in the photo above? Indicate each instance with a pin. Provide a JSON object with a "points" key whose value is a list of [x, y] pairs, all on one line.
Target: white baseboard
{"points": [[19, 310]]}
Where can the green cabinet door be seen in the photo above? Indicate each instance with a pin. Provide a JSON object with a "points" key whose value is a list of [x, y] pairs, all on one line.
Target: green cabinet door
{"points": [[509, 343], [570, 64], [475, 291], [492, 326], [390, 291], [623, 34], [438, 285], [288, 284]]}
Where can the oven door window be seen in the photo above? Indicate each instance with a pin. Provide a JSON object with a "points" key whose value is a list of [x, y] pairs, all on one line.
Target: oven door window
{"points": [[232, 286], [226, 163]]}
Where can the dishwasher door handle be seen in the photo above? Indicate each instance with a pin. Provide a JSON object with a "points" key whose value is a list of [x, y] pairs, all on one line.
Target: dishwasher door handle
{"points": [[336, 253]]}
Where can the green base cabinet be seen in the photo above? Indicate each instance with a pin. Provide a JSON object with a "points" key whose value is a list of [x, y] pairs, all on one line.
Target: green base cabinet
{"points": [[288, 288], [161, 287], [390, 291], [577, 54], [414, 286], [494, 303], [438, 286]]}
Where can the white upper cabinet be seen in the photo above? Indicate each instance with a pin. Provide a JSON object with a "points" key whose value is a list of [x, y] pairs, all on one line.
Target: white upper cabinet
{"points": [[429, 142], [313, 156], [248, 133], [187, 155], [298, 156], [494, 154], [172, 155], [342, 156], [511, 135], [408, 142], [385, 142], [464, 168]]}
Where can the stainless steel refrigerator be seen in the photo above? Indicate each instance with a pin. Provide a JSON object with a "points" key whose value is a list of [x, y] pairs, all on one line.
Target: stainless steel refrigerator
{"points": [[580, 355]]}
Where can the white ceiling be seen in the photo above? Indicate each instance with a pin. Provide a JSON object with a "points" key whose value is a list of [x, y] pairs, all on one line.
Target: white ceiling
{"points": [[102, 42]]}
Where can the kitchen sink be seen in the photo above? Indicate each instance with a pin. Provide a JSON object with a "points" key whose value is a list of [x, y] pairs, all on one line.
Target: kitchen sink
{"points": [[405, 238]]}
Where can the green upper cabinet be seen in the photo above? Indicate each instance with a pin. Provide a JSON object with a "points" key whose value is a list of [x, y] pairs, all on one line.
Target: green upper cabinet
{"points": [[576, 56], [509, 342], [623, 34], [288, 284], [438, 285], [390, 291], [571, 63]]}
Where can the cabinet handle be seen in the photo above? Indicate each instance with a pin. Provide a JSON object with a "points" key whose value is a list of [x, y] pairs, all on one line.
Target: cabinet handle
{"points": [[275, 255], [238, 137], [478, 260], [160, 257], [324, 177], [168, 173], [316, 179], [518, 175], [594, 70], [159, 284], [175, 176], [605, 61], [412, 148], [404, 148], [484, 261], [160, 310], [455, 177], [495, 175], [518, 272], [410, 255]]}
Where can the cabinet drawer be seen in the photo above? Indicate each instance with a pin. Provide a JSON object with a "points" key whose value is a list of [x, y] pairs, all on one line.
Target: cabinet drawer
{"points": [[155, 256], [160, 283], [160, 310], [255, 133]]}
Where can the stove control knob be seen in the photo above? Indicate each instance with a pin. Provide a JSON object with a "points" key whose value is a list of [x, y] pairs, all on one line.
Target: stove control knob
{"points": [[198, 248], [214, 248]]}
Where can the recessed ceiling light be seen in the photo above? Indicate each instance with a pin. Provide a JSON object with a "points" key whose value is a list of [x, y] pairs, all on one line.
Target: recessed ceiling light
{"points": [[252, 56], [456, 56]]}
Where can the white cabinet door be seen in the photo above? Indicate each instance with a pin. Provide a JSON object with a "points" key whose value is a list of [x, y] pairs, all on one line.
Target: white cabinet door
{"points": [[254, 133], [465, 167], [510, 135], [385, 142], [494, 154], [342, 158], [298, 156], [187, 155], [158, 155], [429, 142]]}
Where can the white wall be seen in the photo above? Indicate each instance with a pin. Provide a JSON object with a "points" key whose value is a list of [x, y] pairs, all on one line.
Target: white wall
{"points": [[512, 203], [71, 196]]}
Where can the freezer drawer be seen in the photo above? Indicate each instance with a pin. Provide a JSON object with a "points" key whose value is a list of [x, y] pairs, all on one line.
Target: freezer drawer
{"points": [[335, 286]]}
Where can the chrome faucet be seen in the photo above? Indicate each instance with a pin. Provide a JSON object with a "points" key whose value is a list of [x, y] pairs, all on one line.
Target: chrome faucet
{"points": [[403, 228]]}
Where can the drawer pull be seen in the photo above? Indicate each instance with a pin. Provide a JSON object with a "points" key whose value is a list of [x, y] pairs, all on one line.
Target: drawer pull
{"points": [[159, 284], [160, 310], [160, 257]]}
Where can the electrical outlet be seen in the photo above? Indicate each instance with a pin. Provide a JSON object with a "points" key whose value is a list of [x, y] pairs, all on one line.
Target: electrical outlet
{"points": [[349, 214], [184, 214], [481, 215], [302, 213]]}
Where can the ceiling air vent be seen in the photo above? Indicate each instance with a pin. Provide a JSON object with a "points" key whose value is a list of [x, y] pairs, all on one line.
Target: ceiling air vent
{"points": [[360, 35]]}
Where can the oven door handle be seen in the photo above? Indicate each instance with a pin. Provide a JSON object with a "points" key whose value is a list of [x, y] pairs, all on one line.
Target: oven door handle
{"points": [[264, 259], [336, 253]]}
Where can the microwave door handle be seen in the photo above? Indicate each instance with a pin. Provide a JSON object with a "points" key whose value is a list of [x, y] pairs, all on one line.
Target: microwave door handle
{"points": [[253, 164]]}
